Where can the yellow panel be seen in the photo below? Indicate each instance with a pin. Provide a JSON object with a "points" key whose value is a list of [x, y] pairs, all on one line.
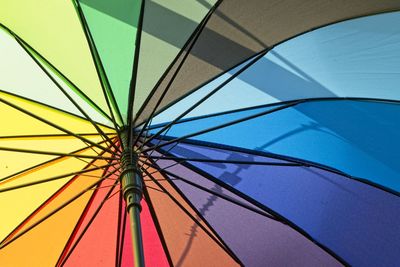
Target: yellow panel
{"points": [[54, 30], [12, 162], [19, 203], [78, 184], [43, 244], [67, 121]]}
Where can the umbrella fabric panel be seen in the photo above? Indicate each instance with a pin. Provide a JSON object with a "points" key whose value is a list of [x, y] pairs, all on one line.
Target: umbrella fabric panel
{"points": [[186, 241], [255, 239], [356, 137], [23, 109], [153, 251], [166, 28], [26, 200], [345, 215], [113, 27], [98, 244], [35, 84], [354, 58], [43, 244], [232, 35], [54, 30], [104, 190]]}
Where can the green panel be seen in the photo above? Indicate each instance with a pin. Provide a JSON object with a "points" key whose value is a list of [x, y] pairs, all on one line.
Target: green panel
{"points": [[113, 27], [167, 26], [53, 29]]}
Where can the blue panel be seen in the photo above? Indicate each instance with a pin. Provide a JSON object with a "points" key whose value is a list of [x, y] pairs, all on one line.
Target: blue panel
{"points": [[354, 58], [359, 138], [358, 222]]}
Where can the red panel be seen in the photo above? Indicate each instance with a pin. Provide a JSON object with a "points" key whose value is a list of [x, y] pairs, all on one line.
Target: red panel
{"points": [[153, 251]]}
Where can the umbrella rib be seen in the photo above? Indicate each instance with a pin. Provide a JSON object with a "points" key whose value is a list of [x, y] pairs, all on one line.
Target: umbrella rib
{"points": [[223, 125], [119, 244], [227, 161], [47, 136], [41, 164], [157, 226], [105, 86], [59, 73], [132, 85], [54, 178], [218, 240], [199, 102], [121, 250], [71, 250], [76, 228], [20, 150], [266, 209], [98, 129], [220, 195], [196, 34], [301, 162], [184, 48], [6, 243], [54, 125], [316, 99]]}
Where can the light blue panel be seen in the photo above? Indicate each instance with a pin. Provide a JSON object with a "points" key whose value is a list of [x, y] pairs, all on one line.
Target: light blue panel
{"points": [[354, 58], [359, 138]]}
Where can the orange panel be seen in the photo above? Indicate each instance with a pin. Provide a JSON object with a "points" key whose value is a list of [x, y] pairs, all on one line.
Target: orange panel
{"points": [[187, 243], [42, 245]]}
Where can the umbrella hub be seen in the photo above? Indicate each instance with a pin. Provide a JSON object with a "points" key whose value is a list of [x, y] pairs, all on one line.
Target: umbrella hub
{"points": [[131, 179]]}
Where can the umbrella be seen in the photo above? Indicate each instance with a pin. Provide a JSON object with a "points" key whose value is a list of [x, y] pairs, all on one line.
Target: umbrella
{"points": [[199, 133]]}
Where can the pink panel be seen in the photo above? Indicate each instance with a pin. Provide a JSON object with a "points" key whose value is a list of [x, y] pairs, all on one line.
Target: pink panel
{"points": [[153, 251]]}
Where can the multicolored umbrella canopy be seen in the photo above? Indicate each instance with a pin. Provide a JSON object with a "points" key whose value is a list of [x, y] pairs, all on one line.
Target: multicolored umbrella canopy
{"points": [[253, 133]]}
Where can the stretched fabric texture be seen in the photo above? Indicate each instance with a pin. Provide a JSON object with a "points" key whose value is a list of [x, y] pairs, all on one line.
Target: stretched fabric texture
{"points": [[186, 241], [154, 254], [256, 240], [39, 236], [232, 35], [354, 58], [356, 137], [54, 30], [113, 25], [345, 215], [166, 28], [35, 85]]}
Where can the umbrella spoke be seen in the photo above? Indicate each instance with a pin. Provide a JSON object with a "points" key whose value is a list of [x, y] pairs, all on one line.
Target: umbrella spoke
{"points": [[227, 161], [157, 226], [54, 125], [278, 216], [105, 85], [119, 231], [6, 242], [50, 179], [187, 48], [214, 193], [218, 240], [29, 151], [132, 86], [214, 128], [199, 102], [95, 125], [79, 238], [59, 73], [45, 163]]}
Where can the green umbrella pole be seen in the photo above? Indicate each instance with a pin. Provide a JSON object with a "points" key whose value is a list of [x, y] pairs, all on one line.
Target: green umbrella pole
{"points": [[132, 187]]}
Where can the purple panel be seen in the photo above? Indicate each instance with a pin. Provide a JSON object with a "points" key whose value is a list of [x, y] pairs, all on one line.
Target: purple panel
{"points": [[255, 239], [356, 221]]}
